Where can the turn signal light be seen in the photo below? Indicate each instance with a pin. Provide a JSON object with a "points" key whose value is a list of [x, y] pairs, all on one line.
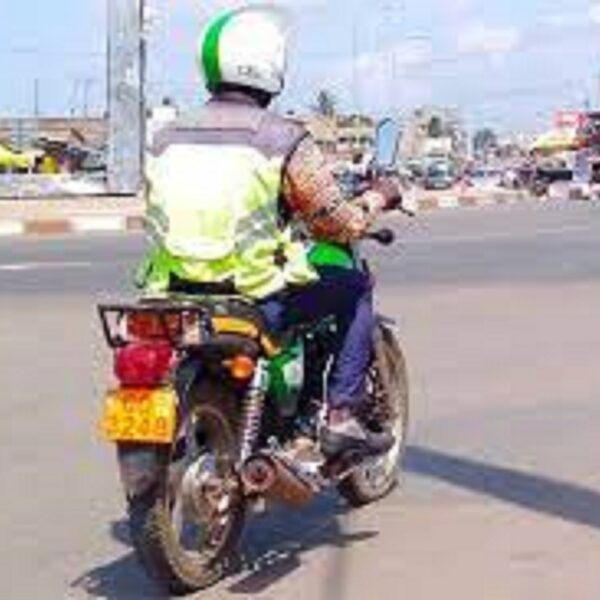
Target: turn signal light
{"points": [[241, 367], [143, 364]]}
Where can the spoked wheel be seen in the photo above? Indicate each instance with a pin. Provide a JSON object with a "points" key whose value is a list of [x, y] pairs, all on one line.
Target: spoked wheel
{"points": [[388, 408], [186, 527]]}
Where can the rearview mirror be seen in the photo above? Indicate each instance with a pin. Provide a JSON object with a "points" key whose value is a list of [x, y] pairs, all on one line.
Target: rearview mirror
{"points": [[386, 144]]}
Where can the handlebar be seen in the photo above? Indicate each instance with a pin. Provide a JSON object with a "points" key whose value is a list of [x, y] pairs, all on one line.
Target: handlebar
{"points": [[385, 237], [406, 211], [356, 185]]}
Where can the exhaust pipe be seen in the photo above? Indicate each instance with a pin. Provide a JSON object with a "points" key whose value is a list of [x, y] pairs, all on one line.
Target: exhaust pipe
{"points": [[271, 477]]}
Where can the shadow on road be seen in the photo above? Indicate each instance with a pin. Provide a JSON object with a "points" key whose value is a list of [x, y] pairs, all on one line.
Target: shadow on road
{"points": [[274, 544], [122, 579], [119, 531], [270, 550], [560, 499]]}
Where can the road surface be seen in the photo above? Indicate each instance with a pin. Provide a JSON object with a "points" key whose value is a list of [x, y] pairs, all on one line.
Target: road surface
{"points": [[498, 312]]}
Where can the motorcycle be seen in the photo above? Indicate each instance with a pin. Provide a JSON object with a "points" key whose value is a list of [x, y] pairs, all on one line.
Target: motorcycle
{"points": [[215, 416]]}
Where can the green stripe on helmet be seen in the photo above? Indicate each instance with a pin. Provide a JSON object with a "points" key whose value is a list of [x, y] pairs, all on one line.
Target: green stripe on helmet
{"points": [[210, 49]]}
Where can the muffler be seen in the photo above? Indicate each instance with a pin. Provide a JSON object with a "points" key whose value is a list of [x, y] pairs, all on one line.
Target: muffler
{"points": [[270, 476]]}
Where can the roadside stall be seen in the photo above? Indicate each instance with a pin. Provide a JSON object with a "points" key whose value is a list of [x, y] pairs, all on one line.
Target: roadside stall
{"points": [[14, 162], [555, 142], [555, 155]]}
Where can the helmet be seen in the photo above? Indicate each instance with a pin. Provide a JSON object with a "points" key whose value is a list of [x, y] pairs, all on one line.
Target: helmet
{"points": [[245, 47]]}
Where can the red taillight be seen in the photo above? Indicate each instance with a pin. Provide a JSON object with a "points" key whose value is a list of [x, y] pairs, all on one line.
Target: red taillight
{"points": [[152, 326], [143, 364]]}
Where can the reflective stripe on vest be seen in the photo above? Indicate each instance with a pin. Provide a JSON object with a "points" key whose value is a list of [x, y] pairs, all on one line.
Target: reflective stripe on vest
{"points": [[213, 215]]}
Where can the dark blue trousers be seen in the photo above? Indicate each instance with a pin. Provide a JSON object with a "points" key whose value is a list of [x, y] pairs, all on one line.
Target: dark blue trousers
{"points": [[348, 295]]}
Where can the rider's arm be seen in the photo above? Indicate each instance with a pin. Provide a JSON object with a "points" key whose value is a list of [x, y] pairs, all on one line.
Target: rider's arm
{"points": [[314, 196]]}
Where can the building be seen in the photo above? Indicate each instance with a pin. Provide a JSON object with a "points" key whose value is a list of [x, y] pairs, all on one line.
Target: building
{"points": [[434, 132], [58, 145], [342, 138], [25, 133], [159, 117], [323, 130], [355, 137]]}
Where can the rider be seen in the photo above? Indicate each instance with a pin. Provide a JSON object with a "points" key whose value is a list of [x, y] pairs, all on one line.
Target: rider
{"points": [[236, 198]]}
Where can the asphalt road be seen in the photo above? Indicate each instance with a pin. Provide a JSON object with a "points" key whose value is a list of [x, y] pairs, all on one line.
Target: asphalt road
{"points": [[498, 313]]}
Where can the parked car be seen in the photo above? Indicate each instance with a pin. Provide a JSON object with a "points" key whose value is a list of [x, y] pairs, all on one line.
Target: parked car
{"points": [[510, 179], [439, 176], [544, 176], [485, 178], [94, 160]]}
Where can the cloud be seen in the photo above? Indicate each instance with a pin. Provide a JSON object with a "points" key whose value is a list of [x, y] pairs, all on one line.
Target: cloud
{"points": [[579, 18], [402, 56], [479, 38], [561, 19], [378, 78], [457, 6], [217, 5]]}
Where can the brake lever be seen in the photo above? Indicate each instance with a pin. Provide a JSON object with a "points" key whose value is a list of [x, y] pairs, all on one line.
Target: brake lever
{"points": [[385, 237], [405, 211]]}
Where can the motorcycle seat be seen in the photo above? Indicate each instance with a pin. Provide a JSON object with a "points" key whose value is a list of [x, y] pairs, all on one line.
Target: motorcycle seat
{"points": [[236, 315]]}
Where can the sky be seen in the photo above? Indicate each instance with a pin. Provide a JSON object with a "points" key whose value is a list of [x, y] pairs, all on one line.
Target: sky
{"points": [[508, 65]]}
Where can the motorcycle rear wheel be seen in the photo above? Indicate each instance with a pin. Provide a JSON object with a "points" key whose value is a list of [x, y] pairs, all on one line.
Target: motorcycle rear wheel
{"points": [[377, 478], [159, 518]]}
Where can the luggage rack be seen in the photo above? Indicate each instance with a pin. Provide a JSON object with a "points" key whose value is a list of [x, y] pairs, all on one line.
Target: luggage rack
{"points": [[186, 322], [183, 324]]}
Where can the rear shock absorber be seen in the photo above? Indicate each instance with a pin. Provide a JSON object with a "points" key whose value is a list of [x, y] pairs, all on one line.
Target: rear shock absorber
{"points": [[254, 406]]}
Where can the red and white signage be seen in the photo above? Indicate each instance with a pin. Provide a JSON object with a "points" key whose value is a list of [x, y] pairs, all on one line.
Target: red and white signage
{"points": [[569, 119]]}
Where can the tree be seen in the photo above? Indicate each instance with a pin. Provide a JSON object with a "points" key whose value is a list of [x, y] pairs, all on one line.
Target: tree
{"points": [[484, 140], [325, 104]]}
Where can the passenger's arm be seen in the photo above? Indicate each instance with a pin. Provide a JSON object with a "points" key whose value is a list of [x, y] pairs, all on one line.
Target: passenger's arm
{"points": [[315, 197]]}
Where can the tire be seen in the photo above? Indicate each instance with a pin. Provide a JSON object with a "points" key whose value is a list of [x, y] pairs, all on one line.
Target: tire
{"points": [[174, 567], [360, 487]]}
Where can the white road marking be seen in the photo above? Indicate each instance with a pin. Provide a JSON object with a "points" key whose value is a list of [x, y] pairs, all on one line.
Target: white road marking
{"points": [[448, 201], [37, 266], [11, 228], [99, 223]]}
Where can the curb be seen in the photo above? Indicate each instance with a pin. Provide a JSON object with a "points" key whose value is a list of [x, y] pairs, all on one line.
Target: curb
{"points": [[72, 225], [453, 200], [115, 223]]}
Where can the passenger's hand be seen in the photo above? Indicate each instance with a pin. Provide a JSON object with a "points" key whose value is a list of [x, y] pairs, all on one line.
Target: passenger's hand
{"points": [[390, 189]]}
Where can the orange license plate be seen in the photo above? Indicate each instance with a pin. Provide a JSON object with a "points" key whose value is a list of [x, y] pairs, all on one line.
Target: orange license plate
{"points": [[137, 415]]}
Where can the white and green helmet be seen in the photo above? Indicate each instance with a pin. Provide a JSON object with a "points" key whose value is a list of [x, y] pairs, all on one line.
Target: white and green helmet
{"points": [[246, 47]]}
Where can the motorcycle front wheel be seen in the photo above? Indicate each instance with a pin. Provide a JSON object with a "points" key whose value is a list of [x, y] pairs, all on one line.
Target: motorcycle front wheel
{"points": [[186, 526], [388, 405]]}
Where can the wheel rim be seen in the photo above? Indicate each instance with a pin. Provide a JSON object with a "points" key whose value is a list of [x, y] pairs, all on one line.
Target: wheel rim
{"points": [[202, 494], [378, 472]]}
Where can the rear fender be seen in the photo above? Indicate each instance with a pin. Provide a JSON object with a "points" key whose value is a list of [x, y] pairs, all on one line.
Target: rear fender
{"points": [[141, 466]]}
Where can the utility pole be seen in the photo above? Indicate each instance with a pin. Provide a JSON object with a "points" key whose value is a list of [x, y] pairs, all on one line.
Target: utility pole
{"points": [[36, 108], [88, 83], [355, 91], [36, 98], [73, 98], [390, 14], [126, 98]]}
